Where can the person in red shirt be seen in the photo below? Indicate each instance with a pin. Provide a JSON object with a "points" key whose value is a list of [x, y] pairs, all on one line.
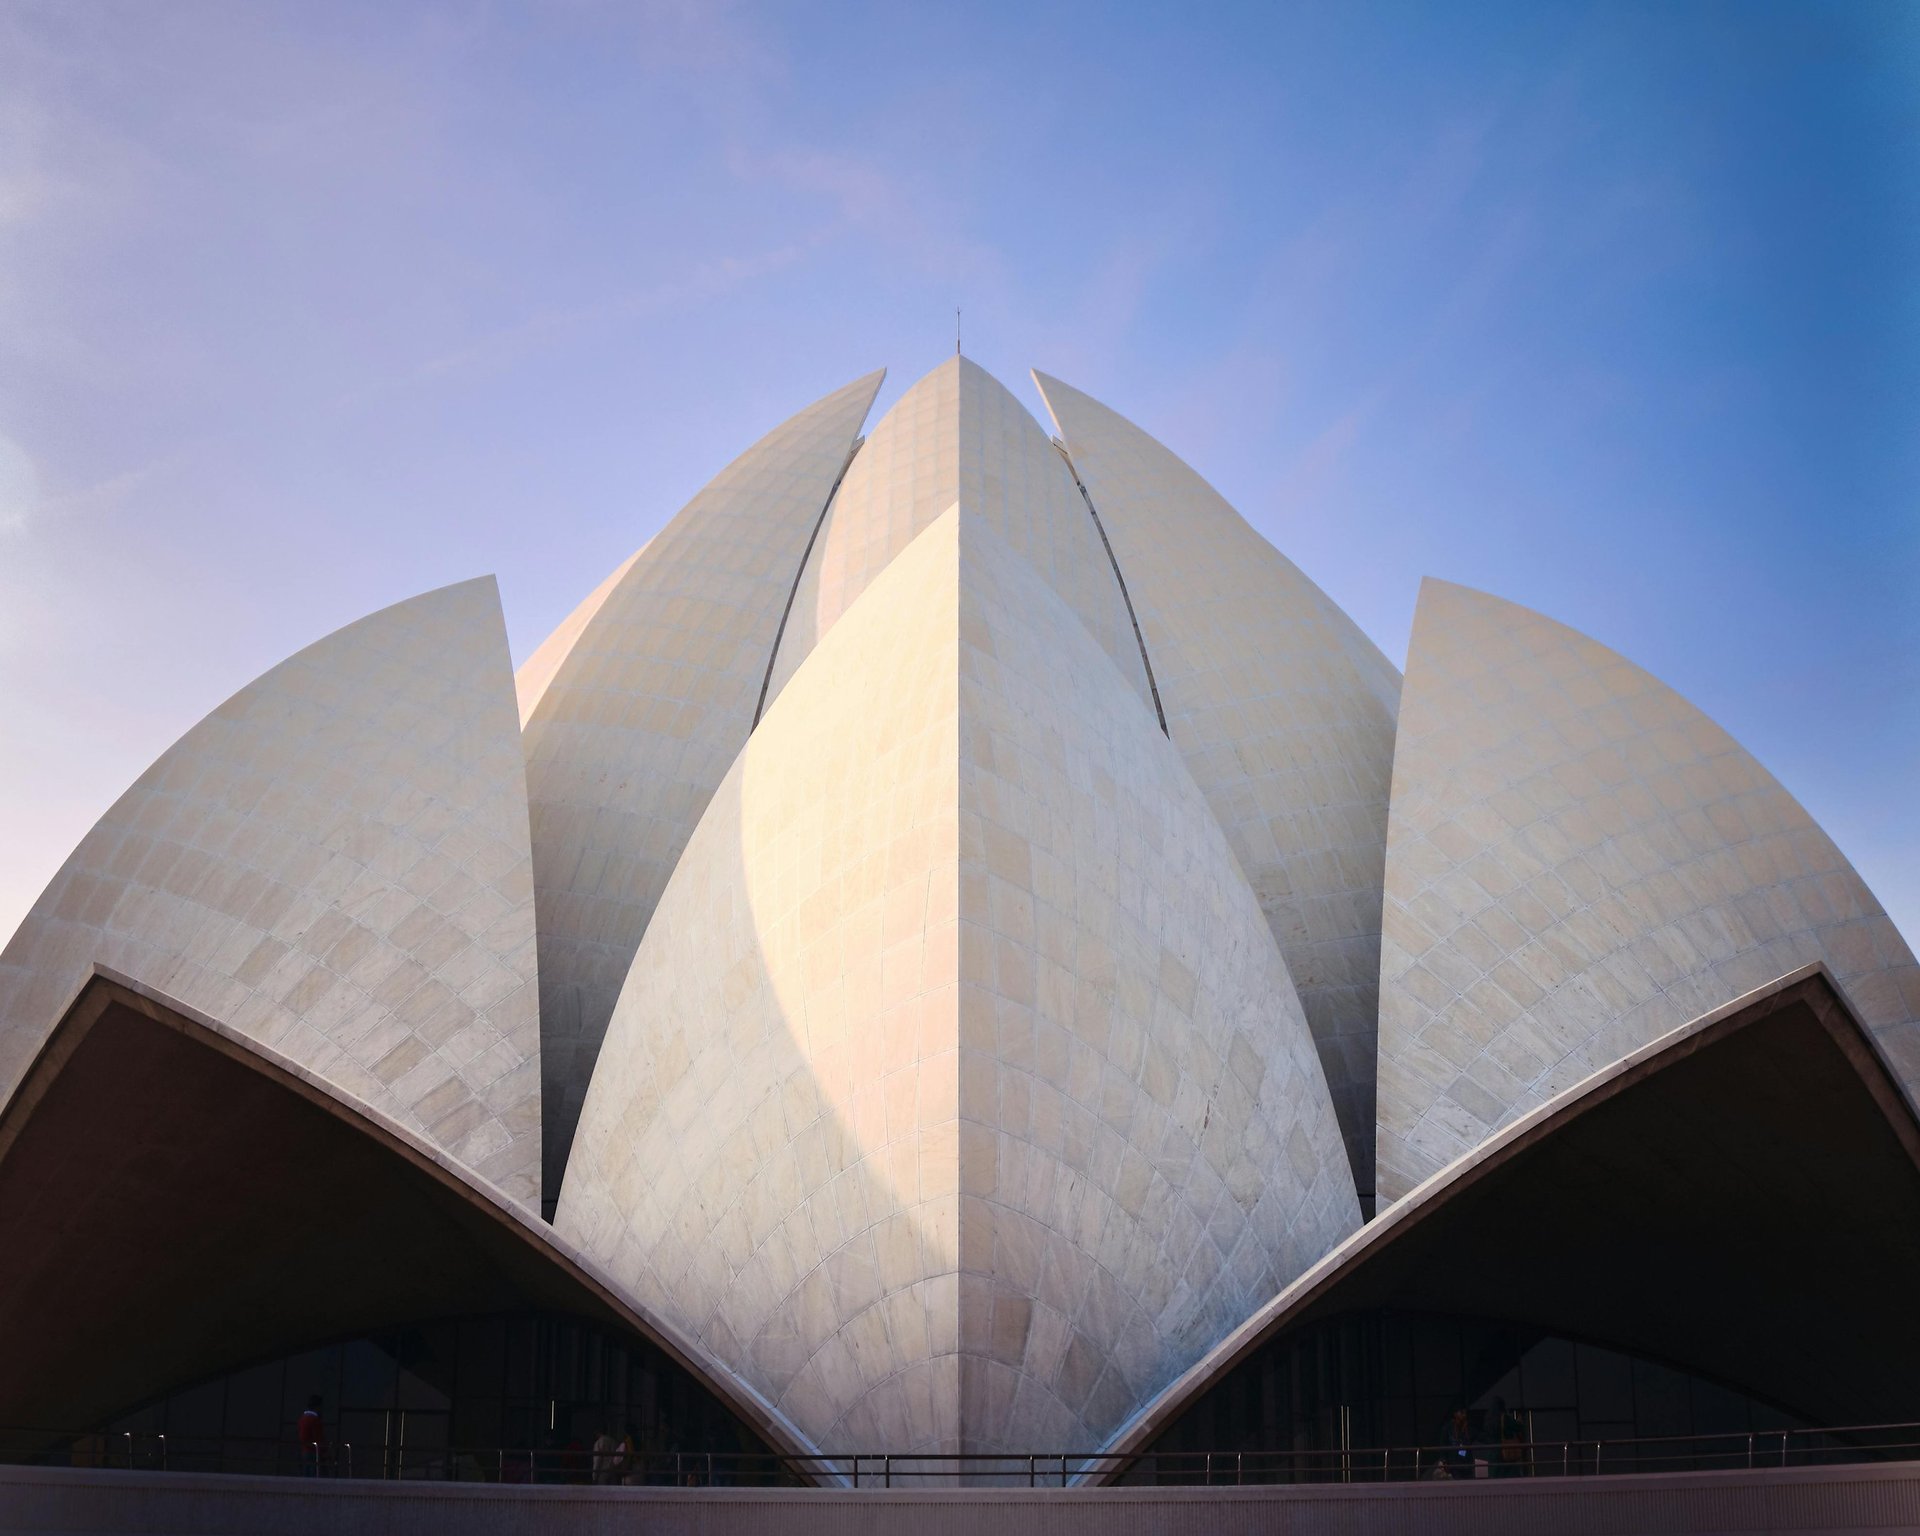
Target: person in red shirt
{"points": [[313, 1438]]}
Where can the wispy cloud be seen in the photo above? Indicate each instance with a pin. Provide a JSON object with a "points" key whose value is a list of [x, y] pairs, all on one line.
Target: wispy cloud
{"points": [[908, 218], [114, 492], [711, 279], [19, 488]]}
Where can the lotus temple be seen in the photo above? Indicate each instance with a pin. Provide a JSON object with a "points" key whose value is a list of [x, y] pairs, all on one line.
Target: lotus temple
{"points": [[957, 960]]}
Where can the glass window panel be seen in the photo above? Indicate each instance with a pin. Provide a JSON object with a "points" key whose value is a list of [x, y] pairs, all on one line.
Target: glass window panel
{"points": [[362, 1442], [585, 1420], [459, 1369], [367, 1373], [195, 1426], [1548, 1374], [1504, 1390], [253, 1402], [427, 1355], [1396, 1355], [1602, 1430], [1717, 1411], [1402, 1422], [478, 1423], [1765, 1416], [643, 1393], [520, 1357], [1605, 1381], [421, 1441], [1436, 1357], [522, 1426], [569, 1375], [1661, 1401], [482, 1345], [310, 1372], [150, 1419], [1430, 1418], [1552, 1425]]}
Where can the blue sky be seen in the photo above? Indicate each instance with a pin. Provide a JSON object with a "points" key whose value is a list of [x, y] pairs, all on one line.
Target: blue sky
{"points": [[1610, 310]]}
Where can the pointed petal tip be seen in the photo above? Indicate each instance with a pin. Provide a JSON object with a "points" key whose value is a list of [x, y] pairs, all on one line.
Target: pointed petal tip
{"points": [[1437, 589]]}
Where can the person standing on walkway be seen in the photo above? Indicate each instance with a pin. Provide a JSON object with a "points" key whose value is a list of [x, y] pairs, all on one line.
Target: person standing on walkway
{"points": [[1459, 1444], [607, 1457], [312, 1435]]}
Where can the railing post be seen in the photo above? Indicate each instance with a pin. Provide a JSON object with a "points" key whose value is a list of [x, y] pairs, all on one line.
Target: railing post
{"points": [[1030, 1462], [888, 1473], [1563, 1458], [163, 1453]]}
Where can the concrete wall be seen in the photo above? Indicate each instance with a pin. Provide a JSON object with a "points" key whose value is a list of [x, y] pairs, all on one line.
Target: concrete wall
{"points": [[1866, 1500]]}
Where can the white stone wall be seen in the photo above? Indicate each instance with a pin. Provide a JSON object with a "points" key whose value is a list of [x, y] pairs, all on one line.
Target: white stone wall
{"points": [[635, 708], [1147, 1146], [958, 1095], [1577, 862], [538, 671], [1284, 713], [959, 436], [335, 863], [769, 1152]]}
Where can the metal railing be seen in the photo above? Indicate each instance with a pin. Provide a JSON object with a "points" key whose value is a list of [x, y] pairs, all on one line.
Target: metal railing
{"points": [[574, 1464]]}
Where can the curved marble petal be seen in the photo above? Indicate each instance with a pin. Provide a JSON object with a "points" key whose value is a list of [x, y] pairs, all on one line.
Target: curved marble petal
{"points": [[538, 671], [959, 436], [1578, 860], [1284, 713], [1666, 1207], [335, 863], [635, 707], [137, 1263], [958, 1096]]}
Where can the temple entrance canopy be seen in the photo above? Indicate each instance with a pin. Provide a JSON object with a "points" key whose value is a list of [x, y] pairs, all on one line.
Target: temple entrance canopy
{"points": [[177, 1204], [1737, 1205]]}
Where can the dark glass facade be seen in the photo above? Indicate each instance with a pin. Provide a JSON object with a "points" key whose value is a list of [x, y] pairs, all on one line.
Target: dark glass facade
{"points": [[514, 1396], [520, 1397], [1327, 1399]]}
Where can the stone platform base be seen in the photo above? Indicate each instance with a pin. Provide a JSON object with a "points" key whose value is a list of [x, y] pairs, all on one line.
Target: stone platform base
{"points": [[1879, 1499]]}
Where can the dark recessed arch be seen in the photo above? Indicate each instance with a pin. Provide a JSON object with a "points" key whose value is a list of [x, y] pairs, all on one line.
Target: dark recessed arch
{"points": [[1740, 1199], [176, 1202]]}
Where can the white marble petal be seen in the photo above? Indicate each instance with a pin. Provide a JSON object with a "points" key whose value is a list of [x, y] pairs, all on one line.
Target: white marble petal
{"points": [[959, 436], [334, 863], [958, 1096], [1284, 712], [635, 707], [1578, 860]]}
